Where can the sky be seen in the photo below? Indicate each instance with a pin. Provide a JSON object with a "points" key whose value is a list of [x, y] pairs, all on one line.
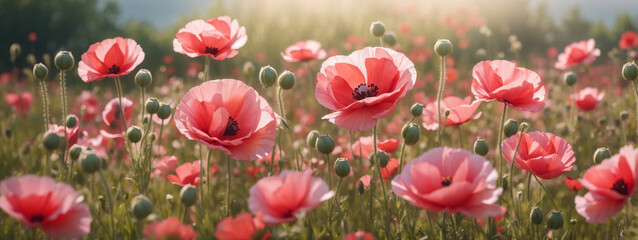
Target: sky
{"points": [[162, 13]]}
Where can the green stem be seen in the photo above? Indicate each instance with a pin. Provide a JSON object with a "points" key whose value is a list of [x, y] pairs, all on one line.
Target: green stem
{"points": [[546, 192], [45, 106], [385, 196], [64, 113], [206, 68], [438, 141], [460, 135], [336, 198], [110, 199], [529, 180], [143, 92], [281, 105], [401, 156], [228, 168], [500, 139], [329, 171], [636, 94], [438, 97], [511, 183]]}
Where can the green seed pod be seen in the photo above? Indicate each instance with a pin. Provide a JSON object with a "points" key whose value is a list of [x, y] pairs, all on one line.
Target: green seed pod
{"points": [[40, 71], [624, 115], [411, 134], [164, 111], [311, 139], [267, 76], [71, 121], [377, 29], [286, 80], [510, 128], [342, 167], [569, 78], [630, 71], [141, 207], [416, 109], [51, 141], [152, 137], [325, 144], [143, 78], [504, 182], [389, 39], [554, 220], [75, 151], [134, 134], [188, 195], [62, 144], [64, 60], [536, 216], [383, 158], [152, 105], [443, 47], [481, 147], [90, 162], [601, 154]]}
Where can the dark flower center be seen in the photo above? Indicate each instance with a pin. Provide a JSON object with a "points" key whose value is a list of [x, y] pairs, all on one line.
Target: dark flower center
{"points": [[114, 69], [231, 127], [212, 51], [446, 181], [363, 91], [620, 186], [37, 218]]}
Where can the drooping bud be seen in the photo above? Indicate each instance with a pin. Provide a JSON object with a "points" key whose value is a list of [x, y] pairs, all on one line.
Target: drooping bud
{"points": [[134, 134], [51, 141], [601, 154], [325, 144], [71, 121], [481, 147], [443, 47], [141, 207], [143, 78], [510, 128], [630, 71], [361, 187], [554, 220], [536, 216], [383, 158], [286, 80], [311, 139], [569, 78], [152, 105], [504, 182], [389, 39], [377, 29], [164, 111], [90, 162], [267, 76], [40, 71], [188, 195], [64, 60], [342, 167], [411, 134], [416, 109]]}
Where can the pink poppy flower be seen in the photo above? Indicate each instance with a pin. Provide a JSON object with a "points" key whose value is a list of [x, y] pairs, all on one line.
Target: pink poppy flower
{"points": [[111, 117], [281, 198], [22, 102], [461, 111], [90, 103], [587, 99], [230, 116], [71, 133], [218, 38], [544, 154], [188, 173], [170, 228], [364, 146], [113, 58], [164, 165], [303, 51], [583, 52], [364, 86], [241, 227], [359, 235], [501, 80], [573, 184], [40, 202], [610, 183], [628, 40], [365, 179], [389, 170], [450, 180]]}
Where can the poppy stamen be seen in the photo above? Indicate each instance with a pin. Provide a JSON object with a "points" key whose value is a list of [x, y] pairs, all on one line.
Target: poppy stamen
{"points": [[363, 91], [620, 186], [232, 127], [446, 181], [212, 51], [114, 69]]}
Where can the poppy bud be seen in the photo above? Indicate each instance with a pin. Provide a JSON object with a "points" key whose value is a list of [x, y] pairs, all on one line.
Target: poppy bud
{"points": [[152, 137], [64, 60], [311, 139], [536, 216], [90, 162], [267, 76], [51, 141], [504, 182], [249, 69], [15, 50], [554, 220], [152, 105], [411, 134], [630, 71], [624, 115], [569, 78], [601, 154], [75, 151], [443, 47], [286, 80], [481, 147], [447, 113], [389, 39], [342, 167], [361, 187], [416, 109], [188, 195], [71, 121], [40, 71], [141, 207], [164, 111], [325, 144], [143, 78], [134, 134], [377, 29], [383, 158], [510, 128]]}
